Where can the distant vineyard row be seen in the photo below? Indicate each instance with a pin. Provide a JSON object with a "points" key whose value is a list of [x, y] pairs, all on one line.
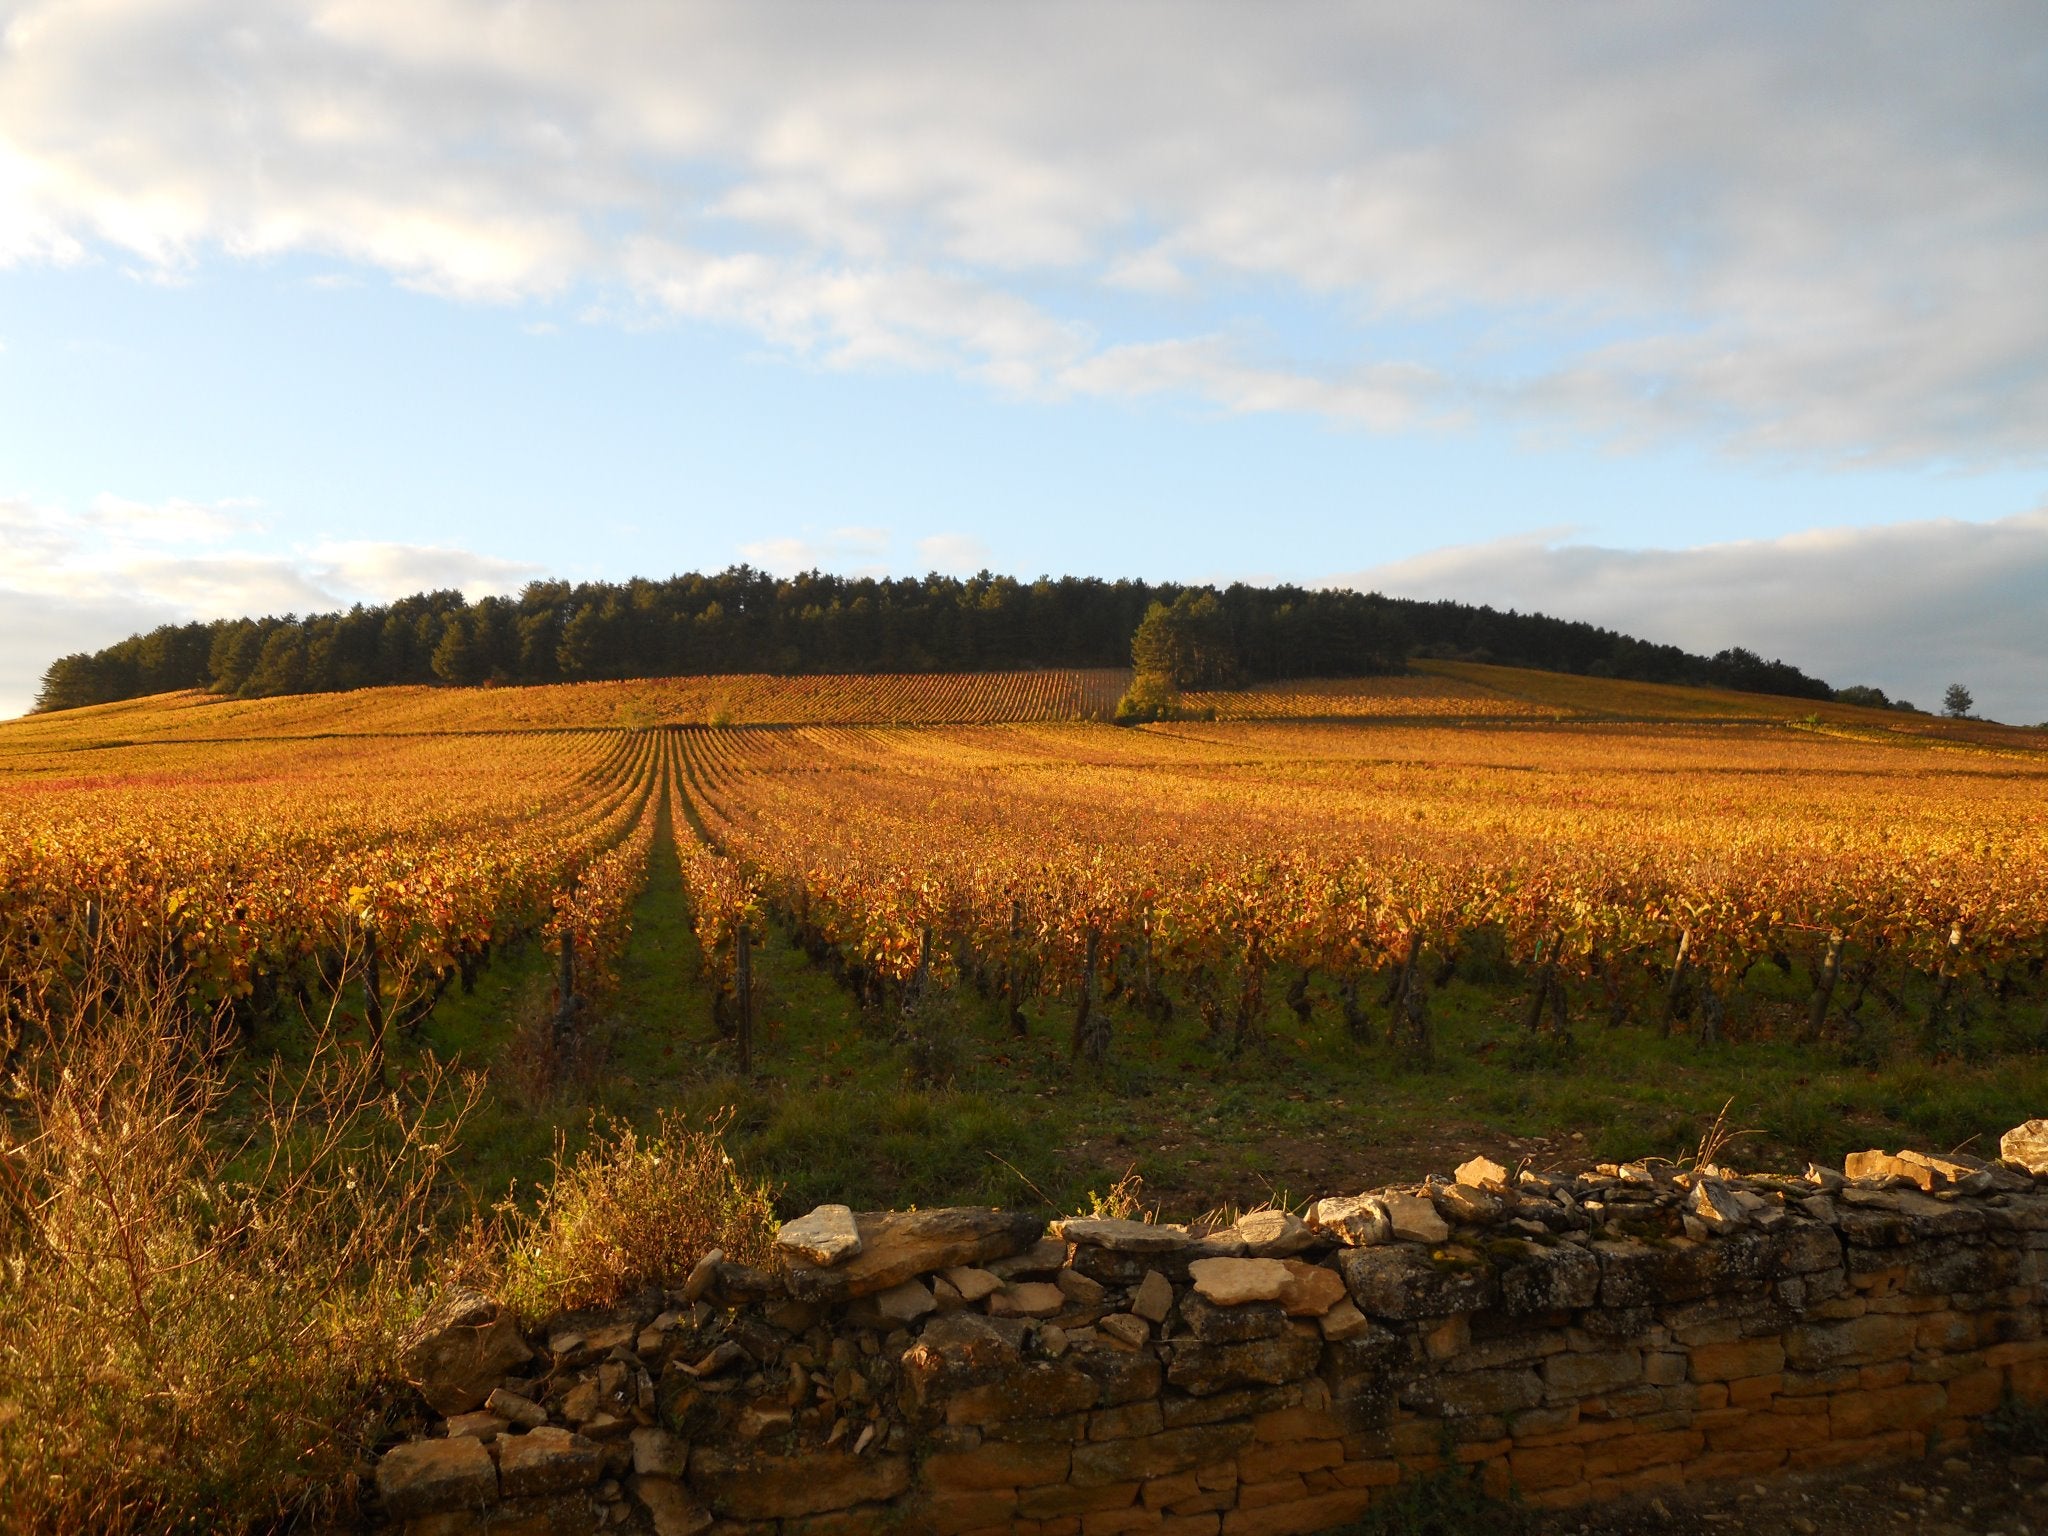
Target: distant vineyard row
{"points": [[1435, 691]]}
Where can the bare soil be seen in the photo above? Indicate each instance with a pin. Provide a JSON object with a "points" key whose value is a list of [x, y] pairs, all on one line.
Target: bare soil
{"points": [[1979, 1491]]}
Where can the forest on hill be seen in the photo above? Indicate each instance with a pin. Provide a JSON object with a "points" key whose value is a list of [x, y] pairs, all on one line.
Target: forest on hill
{"points": [[745, 620]]}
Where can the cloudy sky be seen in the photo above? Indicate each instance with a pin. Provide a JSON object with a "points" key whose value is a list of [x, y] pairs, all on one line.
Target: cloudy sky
{"points": [[1721, 322]]}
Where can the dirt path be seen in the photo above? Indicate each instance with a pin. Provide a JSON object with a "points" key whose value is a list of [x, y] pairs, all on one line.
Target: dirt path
{"points": [[1985, 1491]]}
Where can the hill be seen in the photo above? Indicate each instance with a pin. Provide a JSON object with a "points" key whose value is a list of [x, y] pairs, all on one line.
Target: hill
{"points": [[744, 621]]}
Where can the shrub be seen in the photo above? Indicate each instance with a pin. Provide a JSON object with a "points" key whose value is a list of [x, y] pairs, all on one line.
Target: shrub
{"points": [[198, 1331], [631, 1211]]}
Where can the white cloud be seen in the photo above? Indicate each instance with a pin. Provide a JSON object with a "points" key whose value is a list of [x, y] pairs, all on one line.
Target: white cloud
{"points": [[79, 581], [956, 554], [1909, 607], [855, 549], [1813, 231]]}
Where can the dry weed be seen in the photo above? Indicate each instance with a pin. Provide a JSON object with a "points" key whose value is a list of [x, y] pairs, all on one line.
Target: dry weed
{"points": [[205, 1283], [631, 1211]]}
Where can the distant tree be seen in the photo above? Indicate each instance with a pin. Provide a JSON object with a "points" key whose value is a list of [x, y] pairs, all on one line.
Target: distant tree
{"points": [[1869, 698], [1905, 706], [1185, 645], [280, 666], [1957, 702], [455, 658]]}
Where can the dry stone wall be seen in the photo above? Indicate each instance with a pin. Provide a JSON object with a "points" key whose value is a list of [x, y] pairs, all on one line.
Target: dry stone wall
{"points": [[967, 1371]]}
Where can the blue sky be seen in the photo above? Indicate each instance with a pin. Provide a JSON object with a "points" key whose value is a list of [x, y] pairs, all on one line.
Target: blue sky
{"points": [[1722, 324]]}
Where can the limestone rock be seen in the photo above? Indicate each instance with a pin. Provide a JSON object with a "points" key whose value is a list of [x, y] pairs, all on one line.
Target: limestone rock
{"points": [[1311, 1290], [669, 1506], [1274, 1234], [1546, 1278], [905, 1303], [2026, 1146], [1126, 1328], [1202, 1370], [1875, 1167], [1233, 1282], [973, 1284], [901, 1245], [515, 1409], [1153, 1297], [825, 1237], [1415, 1218], [461, 1349], [1343, 1321], [1483, 1173], [1357, 1221], [1225, 1243], [1403, 1281], [423, 1477], [547, 1460], [702, 1276], [1468, 1203], [1028, 1298], [658, 1453], [478, 1425], [1212, 1324], [751, 1487], [1713, 1203], [1120, 1236], [1041, 1258], [1078, 1288]]}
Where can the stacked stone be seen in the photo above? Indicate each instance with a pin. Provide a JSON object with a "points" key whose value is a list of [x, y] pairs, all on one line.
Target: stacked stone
{"points": [[956, 1371]]}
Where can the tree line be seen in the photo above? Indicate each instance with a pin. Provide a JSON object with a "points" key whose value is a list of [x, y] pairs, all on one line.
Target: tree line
{"points": [[745, 620]]}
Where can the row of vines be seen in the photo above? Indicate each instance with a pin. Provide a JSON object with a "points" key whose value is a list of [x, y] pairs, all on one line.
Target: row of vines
{"points": [[377, 870], [1649, 869]]}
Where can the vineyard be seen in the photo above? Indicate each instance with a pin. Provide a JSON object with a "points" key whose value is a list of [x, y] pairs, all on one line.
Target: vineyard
{"points": [[1410, 872]]}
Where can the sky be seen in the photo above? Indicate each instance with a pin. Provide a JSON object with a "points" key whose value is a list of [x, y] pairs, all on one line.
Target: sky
{"points": [[1721, 323]]}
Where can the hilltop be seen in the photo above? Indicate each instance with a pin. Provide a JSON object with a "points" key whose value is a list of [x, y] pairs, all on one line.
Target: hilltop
{"points": [[744, 621]]}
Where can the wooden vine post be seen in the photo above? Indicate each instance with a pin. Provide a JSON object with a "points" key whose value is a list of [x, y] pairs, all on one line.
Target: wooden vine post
{"points": [[1936, 1027], [1824, 989], [1675, 992], [744, 1034], [565, 980], [1091, 1035], [1011, 969]]}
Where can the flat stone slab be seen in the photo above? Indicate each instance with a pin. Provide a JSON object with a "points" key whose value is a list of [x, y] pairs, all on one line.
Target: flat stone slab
{"points": [[1311, 1290], [1234, 1282], [905, 1303], [740, 1486], [423, 1477], [901, 1245], [1028, 1298], [973, 1284], [548, 1460], [825, 1237], [1415, 1217], [1121, 1236], [1274, 1234]]}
